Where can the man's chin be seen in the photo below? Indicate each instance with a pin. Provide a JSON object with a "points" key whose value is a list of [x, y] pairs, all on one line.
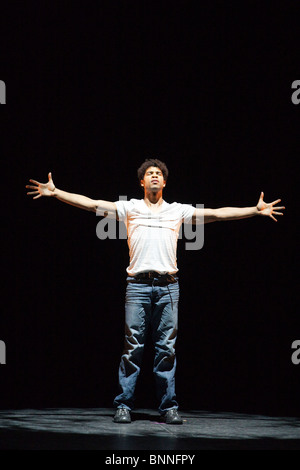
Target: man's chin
{"points": [[155, 189]]}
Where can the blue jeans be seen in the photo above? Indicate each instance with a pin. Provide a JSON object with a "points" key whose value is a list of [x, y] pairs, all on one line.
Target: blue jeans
{"points": [[149, 306]]}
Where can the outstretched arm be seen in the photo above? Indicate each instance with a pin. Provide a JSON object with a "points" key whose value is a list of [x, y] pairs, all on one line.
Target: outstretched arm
{"points": [[48, 189], [235, 213]]}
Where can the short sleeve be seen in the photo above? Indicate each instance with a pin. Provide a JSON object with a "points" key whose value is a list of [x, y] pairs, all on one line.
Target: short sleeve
{"points": [[122, 208], [187, 212]]}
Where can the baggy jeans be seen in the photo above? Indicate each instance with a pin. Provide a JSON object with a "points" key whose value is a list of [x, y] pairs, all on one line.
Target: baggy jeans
{"points": [[149, 305]]}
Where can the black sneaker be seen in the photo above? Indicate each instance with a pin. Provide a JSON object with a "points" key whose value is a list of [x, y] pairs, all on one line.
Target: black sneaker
{"points": [[122, 416], [172, 417]]}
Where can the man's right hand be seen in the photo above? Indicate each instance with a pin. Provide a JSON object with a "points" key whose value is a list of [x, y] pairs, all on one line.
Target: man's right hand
{"points": [[41, 189], [104, 208]]}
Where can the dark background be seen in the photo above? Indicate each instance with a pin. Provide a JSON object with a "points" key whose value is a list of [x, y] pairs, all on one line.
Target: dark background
{"points": [[93, 90]]}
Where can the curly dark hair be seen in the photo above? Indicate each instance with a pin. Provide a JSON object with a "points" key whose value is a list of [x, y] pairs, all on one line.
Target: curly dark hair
{"points": [[152, 162]]}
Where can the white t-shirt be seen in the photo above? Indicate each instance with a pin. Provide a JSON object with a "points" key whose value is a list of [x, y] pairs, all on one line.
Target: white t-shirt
{"points": [[152, 237]]}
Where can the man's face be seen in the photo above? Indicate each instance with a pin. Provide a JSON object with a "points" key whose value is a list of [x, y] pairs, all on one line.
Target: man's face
{"points": [[153, 179]]}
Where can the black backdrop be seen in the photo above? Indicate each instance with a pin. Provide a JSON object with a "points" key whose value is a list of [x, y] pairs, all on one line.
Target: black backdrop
{"points": [[92, 90]]}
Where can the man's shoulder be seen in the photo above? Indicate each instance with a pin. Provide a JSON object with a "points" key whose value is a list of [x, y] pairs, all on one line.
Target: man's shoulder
{"points": [[177, 205], [129, 205], [132, 201], [178, 209]]}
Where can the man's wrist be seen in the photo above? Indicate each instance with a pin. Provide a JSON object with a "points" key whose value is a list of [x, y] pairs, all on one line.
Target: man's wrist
{"points": [[257, 211]]}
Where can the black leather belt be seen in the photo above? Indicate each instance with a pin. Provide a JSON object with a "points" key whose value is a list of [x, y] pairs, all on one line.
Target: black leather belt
{"points": [[154, 276]]}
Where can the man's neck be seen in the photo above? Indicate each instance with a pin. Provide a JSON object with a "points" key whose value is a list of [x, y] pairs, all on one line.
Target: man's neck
{"points": [[152, 197]]}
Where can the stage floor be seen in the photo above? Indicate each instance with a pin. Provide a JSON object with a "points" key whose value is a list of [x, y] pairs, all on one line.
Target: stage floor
{"points": [[93, 429]]}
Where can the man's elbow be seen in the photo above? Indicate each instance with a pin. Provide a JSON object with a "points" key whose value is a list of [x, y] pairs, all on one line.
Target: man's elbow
{"points": [[93, 206], [211, 215], [217, 215]]}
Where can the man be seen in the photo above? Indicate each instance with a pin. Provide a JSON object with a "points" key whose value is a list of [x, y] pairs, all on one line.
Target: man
{"points": [[152, 292]]}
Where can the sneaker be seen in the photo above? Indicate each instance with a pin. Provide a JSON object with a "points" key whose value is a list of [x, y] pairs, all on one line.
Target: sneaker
{"points": [[172, 417], [122, 416]]}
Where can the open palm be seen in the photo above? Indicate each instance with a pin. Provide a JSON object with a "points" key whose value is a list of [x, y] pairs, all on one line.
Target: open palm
{"points": [[269, 209], [41, 189]]}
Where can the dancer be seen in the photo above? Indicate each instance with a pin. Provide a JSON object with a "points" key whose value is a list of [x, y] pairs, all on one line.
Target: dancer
{"points": [[152, 292]]}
